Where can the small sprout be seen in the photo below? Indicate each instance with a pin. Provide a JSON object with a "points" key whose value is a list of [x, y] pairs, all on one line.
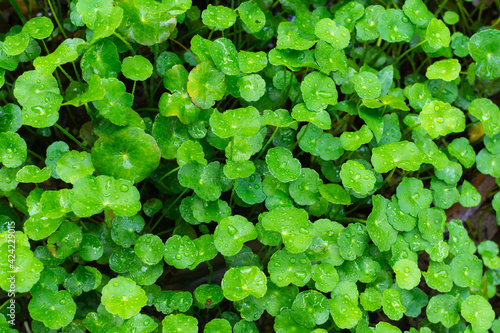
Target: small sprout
{"points": [[310, 308], [447, 70], [477, 311], [240, 282], [54, 309], [218, 17], [354, 175]]}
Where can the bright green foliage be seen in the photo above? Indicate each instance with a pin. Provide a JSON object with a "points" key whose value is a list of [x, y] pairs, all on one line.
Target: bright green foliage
{"points": [[320, 118], [330, 58], [486, 163], [218, 326], [355, 176], [367, 85], [243, 122], [8, 181], [137, 68], [394, 26], [250, 62], [231, 233], [304, 190], [39, 227], [282, 165], [206, 84], [253, 17], [466, 270], [91, 248], [310, 308], [431, 223], [218, 17], [484, 50], [124, 229], [33, 174], [354, 140], [74, 165], [190, 151], [444, 309], [439, 119], [488, 113], [240, 282], [401, 154], [381, 232], [335, 194], [39, 27], [463, 151], [417, 12], [10, 118], [180, 323], [345, 311], [326, 277], [65, 241], [318, 91], [13, 150], [447, 70], [54, 309], [366, 27], [123, 297], [328, 31], [407, 274], [352, 241], [439, 277], [451, 17], [225, 56], [131, 155], [208, 295], [397, 218], [91, 195], [252, 87], [285, 268], [437, 34], [180, 252], [469, 197], [204, 180], [477, 311], [371, 299], [392, 304]]}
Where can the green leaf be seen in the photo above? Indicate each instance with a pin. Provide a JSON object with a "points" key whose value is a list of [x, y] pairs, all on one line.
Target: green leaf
{"points": [[8, 181], [483, 47], [477, 311], [169, 134], [238, 169], [335, 194], [439, 277], [407, 274], [348, 14], [54, 309], [65, 241], [91, 248], [447, 70], [251, 62], [16, 44], [180, 322], [467, 270], [431, 223], [444, 195], [89, 9], [10, 118], [488, 113], [392, 304], [231, 233], [175, 79], [417, 12], [355, 176], [39, 27], [132, 155], [469, 197], [293, 225], [282, 164], [204, 180], [394, 26], [381, 232], [91, 195], [486, 163], [218, 17], [39, 96], [353, 140], [439, 119], [116, 102], [345, 311], [463, 151], [285, 268], [289, 37], [402, 154], [240, 282], [124, 229], [367, 85], [398, 219], [123, 297], [206, 84], [252, 87], [304, 190], [56, 204], [180, 252], [101, 59], [318, 91], [190, 151], [74, 165], [329, 58], [326, 277], [328, 31], [437, 34], [195, 210], [253, 17], [40, 227], [33, 174], [250, 189], [225, 56], [444, 309], [137, 68], [352, 241], [310, 308]]}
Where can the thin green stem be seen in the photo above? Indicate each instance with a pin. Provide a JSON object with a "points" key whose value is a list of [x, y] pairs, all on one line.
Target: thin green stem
{"points": [[409, 50], [440, 89], [57, 19], [301, 136], [169, 173], [64, 72], [129, 46], [36, 155], [168, 208], [18, 11], [59, 127], [267, 143]]}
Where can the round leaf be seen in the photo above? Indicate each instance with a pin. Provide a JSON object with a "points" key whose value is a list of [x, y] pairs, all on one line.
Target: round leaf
{"points": [[318, 91], [123, 297], [282, 164], [54, 309], [240, 282], [206, 84]]}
